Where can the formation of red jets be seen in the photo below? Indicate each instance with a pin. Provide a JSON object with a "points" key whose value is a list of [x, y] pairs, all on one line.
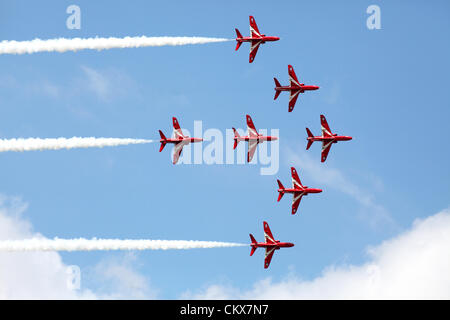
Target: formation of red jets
{"points": [[254, 138]]}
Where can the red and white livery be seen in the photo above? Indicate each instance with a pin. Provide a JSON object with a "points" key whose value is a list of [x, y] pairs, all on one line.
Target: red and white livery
{"points": [[298, 190], [253, 138], [271, 245], [327, 138], [255, 39], [295, 88], [178, 139]]}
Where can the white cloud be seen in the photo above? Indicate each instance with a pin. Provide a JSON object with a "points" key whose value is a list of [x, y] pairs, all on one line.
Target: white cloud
{"points": [[413, 265], [30, 275], [44, 275], [118, 279]]}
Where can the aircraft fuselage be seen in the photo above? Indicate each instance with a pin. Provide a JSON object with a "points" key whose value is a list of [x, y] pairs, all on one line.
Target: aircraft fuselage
{"points": [[334, 138], [304, 191], [185, 140], [258, 138], [277, 245], [262, 39], [302, 88]]}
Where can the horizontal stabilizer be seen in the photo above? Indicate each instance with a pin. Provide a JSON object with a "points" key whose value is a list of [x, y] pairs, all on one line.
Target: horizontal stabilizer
{"points": [[280, 195], [310, 135], [277, 83], [252, 238], [280, 185], [236, 138], [163, 144], [277, 92], [238, 34], [253, 244]]}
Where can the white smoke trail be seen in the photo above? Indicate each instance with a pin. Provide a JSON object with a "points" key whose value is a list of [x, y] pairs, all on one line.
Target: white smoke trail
{"points": [[31, 144], [81, 244], [75, 44]]}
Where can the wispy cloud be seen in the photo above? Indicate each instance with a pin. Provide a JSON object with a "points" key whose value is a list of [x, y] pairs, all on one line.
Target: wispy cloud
{"points": [[106, 85], [330, 177], [117, 277]]}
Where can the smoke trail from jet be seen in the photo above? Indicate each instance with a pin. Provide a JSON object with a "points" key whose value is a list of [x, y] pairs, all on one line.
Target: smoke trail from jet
{"points": [[75, 44], [81, 244], [31, 144]]}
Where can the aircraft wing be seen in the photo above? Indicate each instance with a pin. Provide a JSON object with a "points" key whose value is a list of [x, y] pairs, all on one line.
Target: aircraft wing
{"points": [[326, 131], [268, 258], [293, 77], [296, 201], [296, 183], [254, 32], [251, 127], [176, 129], [253, 50], [177, 151], [267, 233], [326, 146], [251, 149], [293, 99]]}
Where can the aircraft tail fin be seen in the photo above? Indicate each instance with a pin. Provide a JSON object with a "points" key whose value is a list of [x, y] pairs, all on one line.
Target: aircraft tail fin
{"points": [[236, 138], [239, 36], [310, 135], [253, 244], [277, 92], [281, 193], [163, 143]]}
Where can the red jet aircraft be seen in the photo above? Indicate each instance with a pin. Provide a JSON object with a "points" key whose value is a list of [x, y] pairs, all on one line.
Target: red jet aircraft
{"points": [[298, 190], [327, 138], [179, 140], [253, 138], [271, 245], [256, 38], [295, 88]]}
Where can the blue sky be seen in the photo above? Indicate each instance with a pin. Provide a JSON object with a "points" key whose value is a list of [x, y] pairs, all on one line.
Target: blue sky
{"points": [[387, 88]]}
